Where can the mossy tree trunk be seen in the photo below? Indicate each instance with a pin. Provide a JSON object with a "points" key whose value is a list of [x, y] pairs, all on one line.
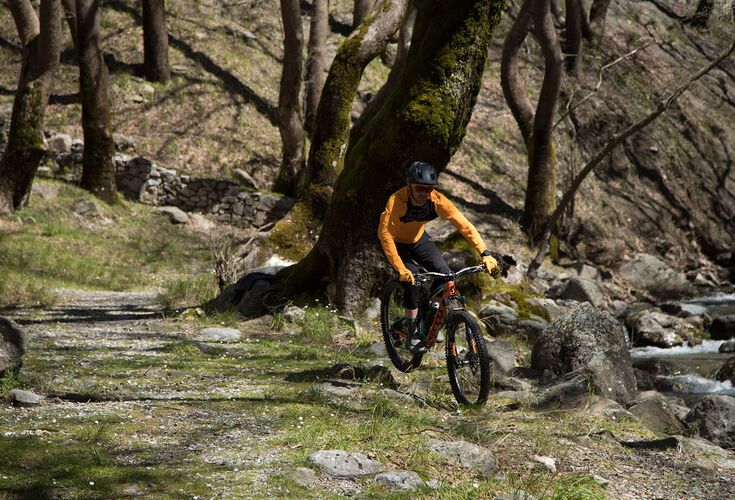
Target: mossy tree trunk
{"points": [[598, 14], [290, 123], [155, 41], [536, 128], [425, 118], [316, 61], [98, 171], [25, 148], [332, 125]]}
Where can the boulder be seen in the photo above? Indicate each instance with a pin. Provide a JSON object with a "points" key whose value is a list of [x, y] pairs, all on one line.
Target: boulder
{"points": [[59, 143], [343, 464], [656, 277], [12, 345], [174, 214], [400, 480], [465, 454], [220, 334], [727, 371], [655, 328], [248, 295], [722, 328], [25, 398], [713, 418], [502, 353], [592, 342], [553, 310], [656, 414], [728, 346], [581, 290]]}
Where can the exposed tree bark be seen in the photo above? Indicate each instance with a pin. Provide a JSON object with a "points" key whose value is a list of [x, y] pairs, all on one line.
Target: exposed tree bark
{"points": [[573, 35], [426, 117], [70, 14], [331, 132], [98, 171], [360, 10], [598, 15], [332, 125], [316, 61], [611, 144], [289, 110], [555, 11], [537, 128], [25, 148], [155, 41], [377, 102]]}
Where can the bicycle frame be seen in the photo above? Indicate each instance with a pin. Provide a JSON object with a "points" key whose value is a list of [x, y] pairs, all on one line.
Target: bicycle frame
{"points": [[449, 292]]}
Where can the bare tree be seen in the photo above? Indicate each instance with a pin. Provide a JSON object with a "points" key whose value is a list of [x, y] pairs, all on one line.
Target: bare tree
{"points": [[537, 128], [609, 146], [377, 102], [316, 61], [573, 35], [598, 15], [289, 111], [425, 118], [360, 11], [155, 41], [25, 148], [98, 171]]}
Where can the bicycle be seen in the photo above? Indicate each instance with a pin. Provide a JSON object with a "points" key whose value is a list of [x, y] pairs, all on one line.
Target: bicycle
{"points": [[468, 362]]}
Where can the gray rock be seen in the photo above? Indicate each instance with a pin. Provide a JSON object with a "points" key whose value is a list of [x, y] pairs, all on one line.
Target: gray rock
{"points": [[200, 223], [466, 455], [174, 214], [502, 353], [294, 313], [548, 462], [399, 396], [722, 328], [340, 388], [303, 476], [59, 143], [148, 192], [713, 418], [727, 371], [728, 346], [12, 345], [581, 290], [220, 333], [503, 313], [658, 329], [585, 271], [123, 142], [87, 208], [600, 480], [592, 342], [244, 178], [656, 414], [373, 310], [696, 446], [45, 191], [517, 495], [343, 464], [549, 305], [378, 349], [651, 274], [25, 398], [532, 328], [399, 480]]}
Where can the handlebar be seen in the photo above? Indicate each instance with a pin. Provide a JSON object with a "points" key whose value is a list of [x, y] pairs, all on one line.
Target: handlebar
{"points": [[429, 276]]}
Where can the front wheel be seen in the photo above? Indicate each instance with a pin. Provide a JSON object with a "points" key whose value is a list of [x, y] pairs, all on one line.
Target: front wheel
{"points": [[467, 360], [391, 313]]}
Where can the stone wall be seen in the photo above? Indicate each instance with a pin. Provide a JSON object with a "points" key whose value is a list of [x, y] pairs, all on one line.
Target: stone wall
{"points": [[142, 180]]}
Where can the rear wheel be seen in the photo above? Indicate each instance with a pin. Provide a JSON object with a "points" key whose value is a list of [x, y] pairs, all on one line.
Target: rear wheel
{"points": [[467, 360], [391, 314]]}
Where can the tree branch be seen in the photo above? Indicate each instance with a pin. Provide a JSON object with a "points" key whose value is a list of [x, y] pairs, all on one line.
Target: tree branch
{"points": [[609, 146]]}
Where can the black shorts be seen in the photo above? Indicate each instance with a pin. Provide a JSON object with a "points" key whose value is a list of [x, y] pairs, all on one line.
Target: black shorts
{"points": [[423, 253]]}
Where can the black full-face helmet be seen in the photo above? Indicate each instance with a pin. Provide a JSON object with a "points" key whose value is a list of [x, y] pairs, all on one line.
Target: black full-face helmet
{"points": [[421, 172]]}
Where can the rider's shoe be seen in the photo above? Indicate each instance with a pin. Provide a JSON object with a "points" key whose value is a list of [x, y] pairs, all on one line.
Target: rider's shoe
{"points": [[416, 346], [440, 337]]}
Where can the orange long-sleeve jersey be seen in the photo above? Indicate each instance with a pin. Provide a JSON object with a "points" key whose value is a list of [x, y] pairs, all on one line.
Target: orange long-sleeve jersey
{"points": [[403, 222]]}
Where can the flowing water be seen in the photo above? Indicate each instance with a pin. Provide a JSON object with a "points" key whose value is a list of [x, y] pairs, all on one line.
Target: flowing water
{"points": [[693, 368]]}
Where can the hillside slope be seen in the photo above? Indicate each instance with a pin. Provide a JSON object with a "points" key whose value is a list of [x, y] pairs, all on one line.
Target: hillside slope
{"points": [[669, 190]]}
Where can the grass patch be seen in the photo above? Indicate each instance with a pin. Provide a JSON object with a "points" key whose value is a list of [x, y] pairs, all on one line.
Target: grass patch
{"points": [[189, 292], [9, 381], [121, 247]]}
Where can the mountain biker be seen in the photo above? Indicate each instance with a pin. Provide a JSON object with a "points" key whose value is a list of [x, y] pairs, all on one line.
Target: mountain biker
{"points": [[406, 244]]}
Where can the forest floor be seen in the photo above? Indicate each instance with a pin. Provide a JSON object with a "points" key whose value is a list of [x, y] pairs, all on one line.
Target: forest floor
{"points": [[143, 403]]}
